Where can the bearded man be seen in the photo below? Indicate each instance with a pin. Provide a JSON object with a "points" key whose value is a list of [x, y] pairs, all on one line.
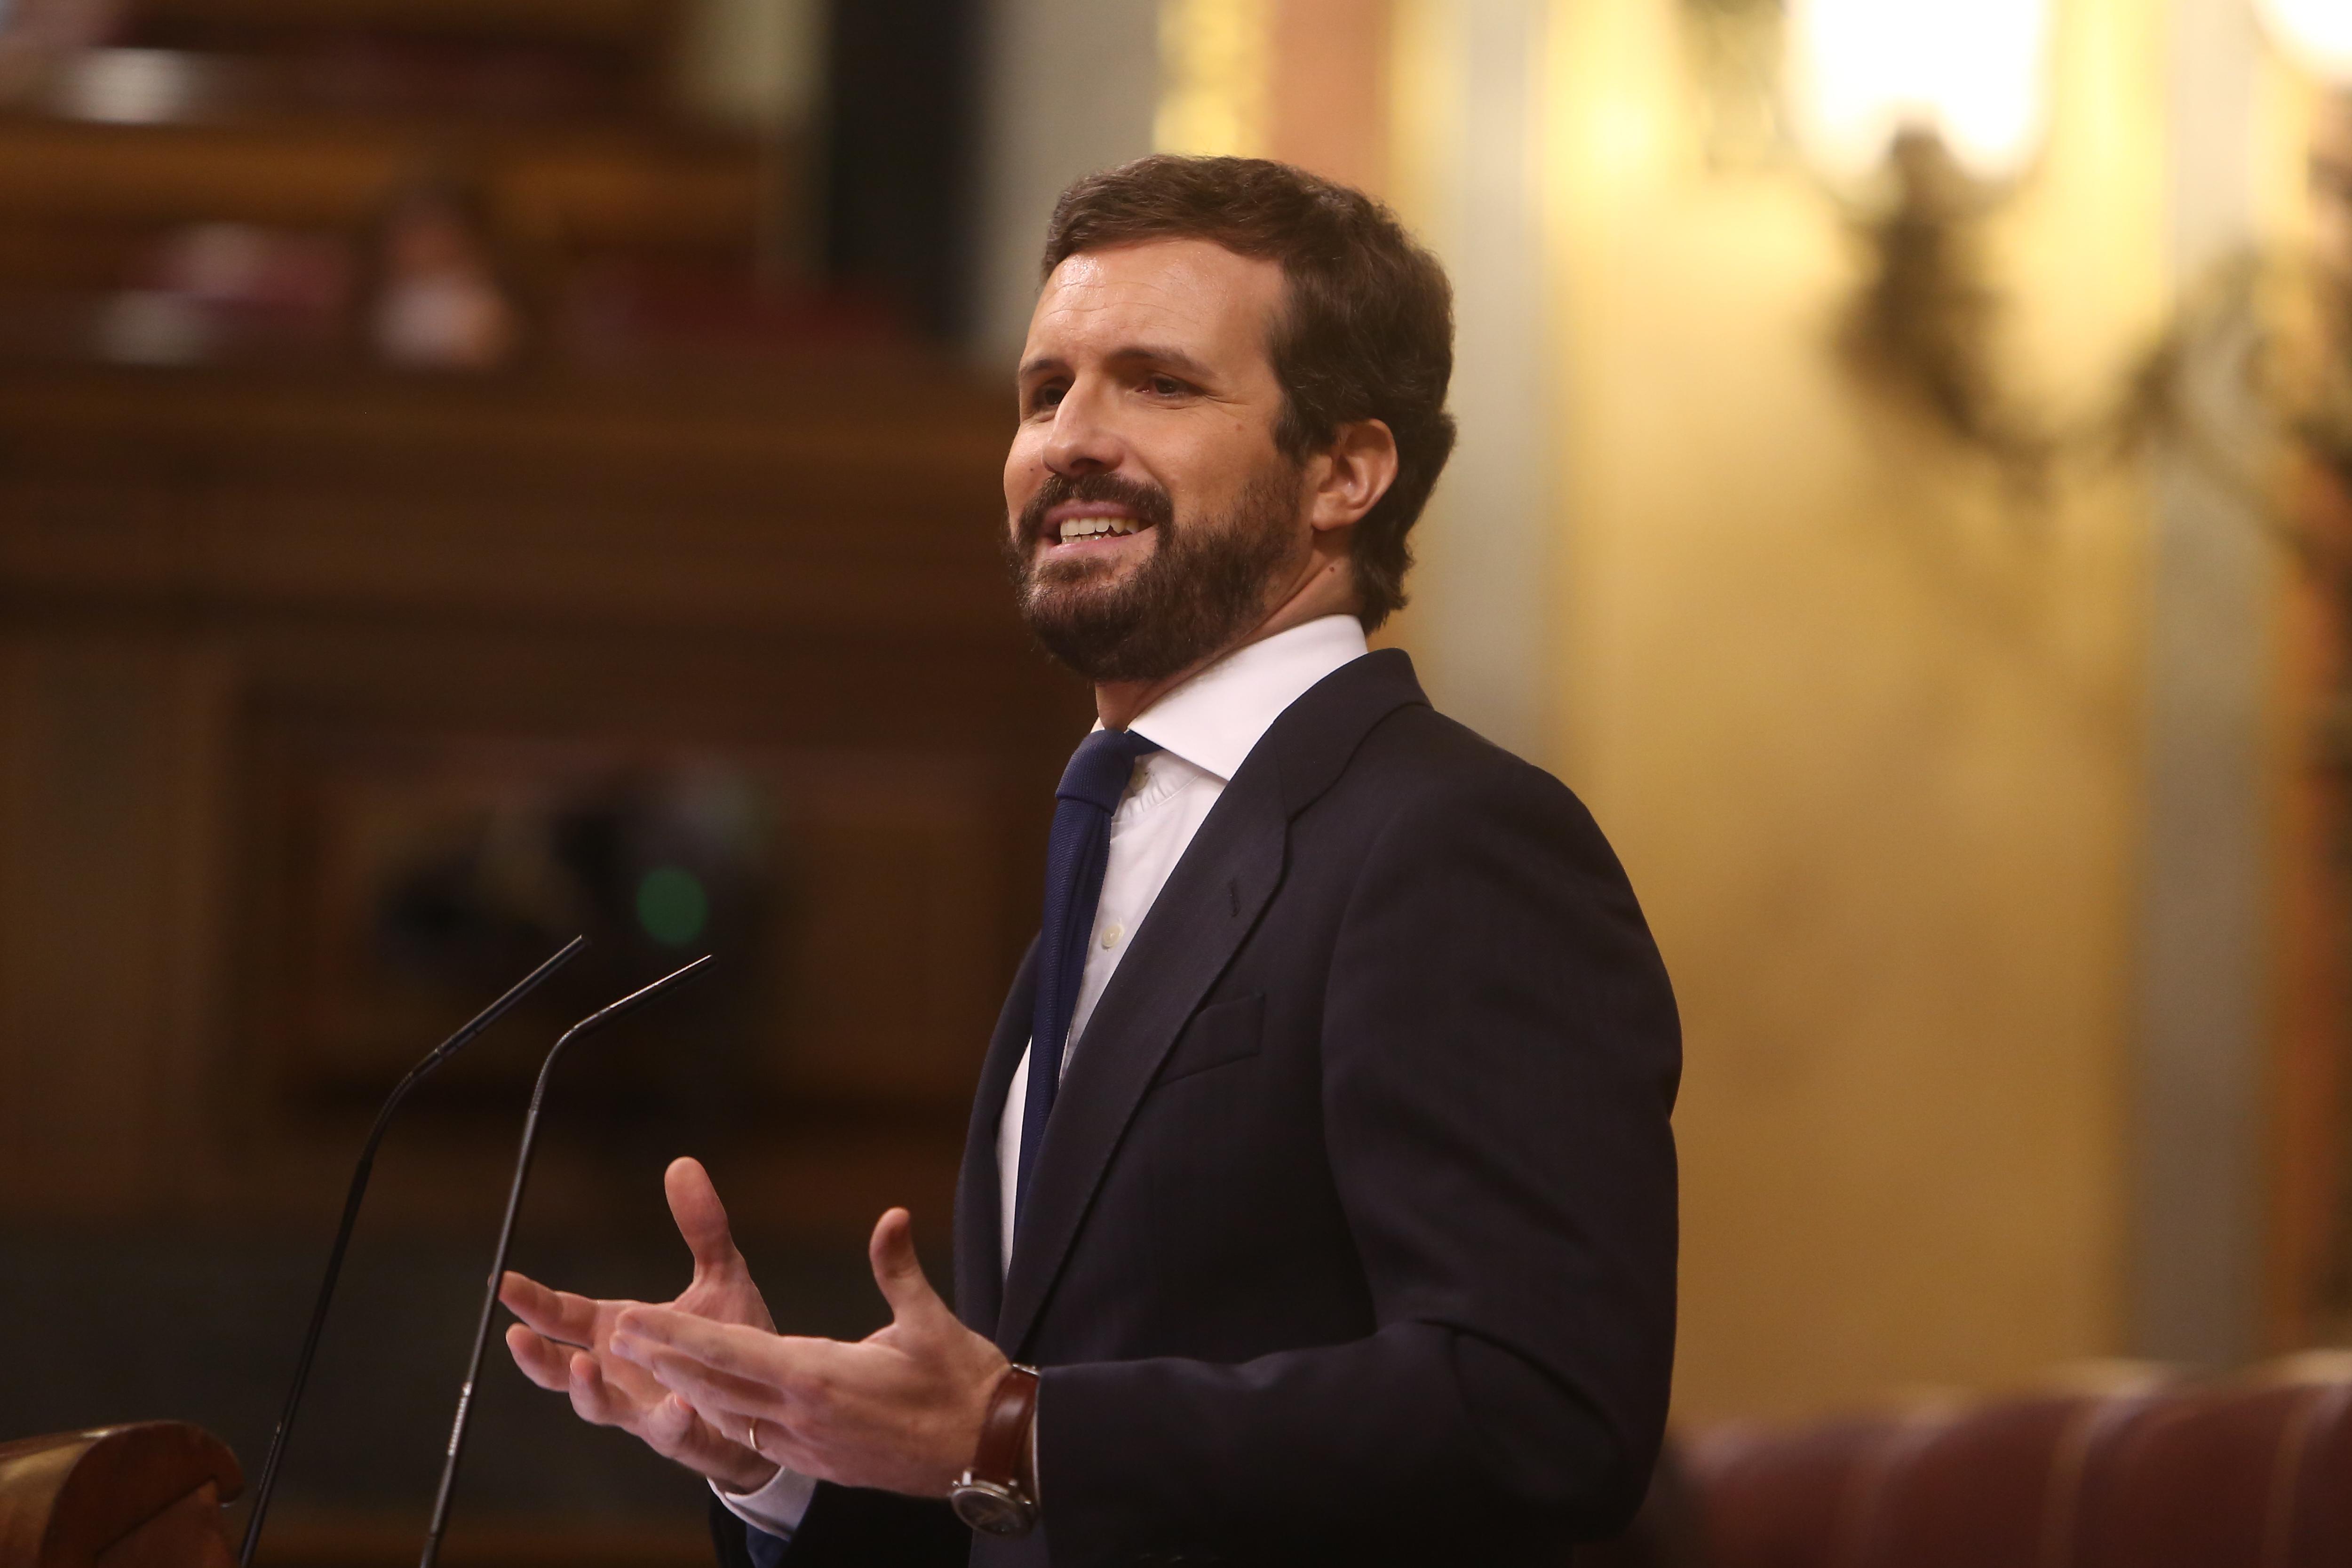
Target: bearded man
{"points": [[1319, 1203]]}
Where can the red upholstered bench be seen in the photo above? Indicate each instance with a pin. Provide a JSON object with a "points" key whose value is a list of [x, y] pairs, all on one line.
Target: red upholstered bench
{"points": [[2252, 1472]]}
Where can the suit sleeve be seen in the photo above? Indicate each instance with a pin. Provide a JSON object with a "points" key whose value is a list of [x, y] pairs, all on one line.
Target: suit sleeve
{"points": [[1500, 1058], [848, 1527]]}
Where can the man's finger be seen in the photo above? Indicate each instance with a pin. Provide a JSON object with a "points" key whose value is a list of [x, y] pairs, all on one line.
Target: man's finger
{"points": [[592, 1399], [643, 1328], [557, 1314], [701, 1217], [669, 1425], [645, 1334], [729, 1368], [737, 1395], [541, 1358], [899, 1273], [674, 1430]]}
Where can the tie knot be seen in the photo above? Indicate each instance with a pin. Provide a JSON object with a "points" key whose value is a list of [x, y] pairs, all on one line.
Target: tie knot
{"points": [[1100, 767]]}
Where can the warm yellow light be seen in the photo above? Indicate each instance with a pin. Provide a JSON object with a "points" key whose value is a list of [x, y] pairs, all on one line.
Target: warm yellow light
{"points": [[2317, 32], [1214, 62], [1975, 72]]}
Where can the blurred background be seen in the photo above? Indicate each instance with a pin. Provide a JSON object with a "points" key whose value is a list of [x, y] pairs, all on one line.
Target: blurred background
{"points": [[473, 472]]}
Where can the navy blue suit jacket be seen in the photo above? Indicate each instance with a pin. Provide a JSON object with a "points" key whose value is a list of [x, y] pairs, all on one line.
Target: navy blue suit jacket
{"points": [[1352, 1236]]}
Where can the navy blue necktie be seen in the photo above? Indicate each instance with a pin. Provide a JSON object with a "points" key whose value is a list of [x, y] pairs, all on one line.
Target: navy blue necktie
{"points": [[1074, 858]]}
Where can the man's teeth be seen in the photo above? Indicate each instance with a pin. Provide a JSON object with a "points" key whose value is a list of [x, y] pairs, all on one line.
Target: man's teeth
{"points": [[1086, 526]]}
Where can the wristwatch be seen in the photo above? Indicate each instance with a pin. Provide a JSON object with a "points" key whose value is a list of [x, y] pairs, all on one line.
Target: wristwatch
{"points": [[991, 1496]]}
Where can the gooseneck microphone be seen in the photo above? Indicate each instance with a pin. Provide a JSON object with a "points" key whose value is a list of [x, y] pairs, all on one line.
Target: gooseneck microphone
{"points": [[629, 1004], [415, 1074]]}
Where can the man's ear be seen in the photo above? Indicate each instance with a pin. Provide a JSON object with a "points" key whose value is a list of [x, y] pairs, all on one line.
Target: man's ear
{"points": [[1352, 474]]}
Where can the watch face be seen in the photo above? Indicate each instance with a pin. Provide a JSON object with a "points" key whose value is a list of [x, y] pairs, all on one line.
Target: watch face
{"points": [[991, 1508]]}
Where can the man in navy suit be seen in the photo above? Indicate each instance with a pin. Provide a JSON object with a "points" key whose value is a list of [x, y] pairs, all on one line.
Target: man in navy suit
{"points": [[1334, 1222]]}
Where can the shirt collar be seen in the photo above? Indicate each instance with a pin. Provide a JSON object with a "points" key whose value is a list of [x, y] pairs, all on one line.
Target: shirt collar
{"points": [[1215, 717]]}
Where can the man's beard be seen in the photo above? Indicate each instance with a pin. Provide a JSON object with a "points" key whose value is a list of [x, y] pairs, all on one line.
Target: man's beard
{"points": [[1203, 584]]}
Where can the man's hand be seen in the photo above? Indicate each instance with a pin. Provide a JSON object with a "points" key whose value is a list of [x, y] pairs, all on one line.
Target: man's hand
{"points": [[564, 1342], [899, 1409]]}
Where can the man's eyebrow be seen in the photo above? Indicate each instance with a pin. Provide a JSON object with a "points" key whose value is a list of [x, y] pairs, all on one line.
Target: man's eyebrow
{"points": [[1149, 353], [1155, 353]]}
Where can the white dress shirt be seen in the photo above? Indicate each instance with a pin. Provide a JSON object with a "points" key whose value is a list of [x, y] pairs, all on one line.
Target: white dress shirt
{"points": [[1205, 728]]}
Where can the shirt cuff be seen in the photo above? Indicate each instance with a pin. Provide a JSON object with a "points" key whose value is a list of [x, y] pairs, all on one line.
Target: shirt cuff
{"points": [[776, 1507]]}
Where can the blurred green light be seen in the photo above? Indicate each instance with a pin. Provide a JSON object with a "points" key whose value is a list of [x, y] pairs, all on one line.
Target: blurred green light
{"points": [[672, 906]]}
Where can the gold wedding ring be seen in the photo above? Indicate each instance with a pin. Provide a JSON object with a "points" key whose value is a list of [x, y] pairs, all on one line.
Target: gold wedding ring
{"points": [[752, 1435]]}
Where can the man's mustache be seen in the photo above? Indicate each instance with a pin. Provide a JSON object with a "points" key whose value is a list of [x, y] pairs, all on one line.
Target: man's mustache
{"points": [[1149, 504]]}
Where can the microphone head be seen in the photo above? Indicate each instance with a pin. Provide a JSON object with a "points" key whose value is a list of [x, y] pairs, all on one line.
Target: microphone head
{"points": [[499, 1009], [636, 999]]}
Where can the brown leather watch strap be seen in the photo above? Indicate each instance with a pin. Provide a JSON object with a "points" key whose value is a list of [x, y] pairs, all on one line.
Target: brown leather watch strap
{"points": [[1003, 1451]]}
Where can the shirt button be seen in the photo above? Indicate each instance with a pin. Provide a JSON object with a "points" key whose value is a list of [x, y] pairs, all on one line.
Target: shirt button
{"points": [[1112, 933]]}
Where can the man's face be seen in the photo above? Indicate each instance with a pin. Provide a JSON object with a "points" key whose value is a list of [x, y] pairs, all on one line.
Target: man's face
{"points": [[1150, 520]]}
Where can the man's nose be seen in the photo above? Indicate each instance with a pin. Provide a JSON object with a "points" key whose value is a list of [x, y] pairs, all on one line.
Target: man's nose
{"points": [[1083, 440]]}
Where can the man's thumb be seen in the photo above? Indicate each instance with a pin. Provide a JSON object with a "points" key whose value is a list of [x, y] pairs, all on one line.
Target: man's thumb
{"points": [[898, 1271], [701, 1217]]}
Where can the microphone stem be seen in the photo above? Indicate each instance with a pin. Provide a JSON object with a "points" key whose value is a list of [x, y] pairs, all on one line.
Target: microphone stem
{"points": [[506, 1240], [490, 1304], [267, 1485]]}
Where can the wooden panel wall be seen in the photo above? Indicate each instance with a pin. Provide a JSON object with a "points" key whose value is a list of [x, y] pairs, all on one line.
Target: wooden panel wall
{"points": [[242, 618]]}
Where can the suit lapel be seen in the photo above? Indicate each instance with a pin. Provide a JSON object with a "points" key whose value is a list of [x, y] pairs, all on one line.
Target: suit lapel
{"points": [[979, 1220], [1210, 902]]}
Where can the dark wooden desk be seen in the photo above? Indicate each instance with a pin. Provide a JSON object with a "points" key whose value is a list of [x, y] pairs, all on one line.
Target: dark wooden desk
{"points": [[144, 1496]]}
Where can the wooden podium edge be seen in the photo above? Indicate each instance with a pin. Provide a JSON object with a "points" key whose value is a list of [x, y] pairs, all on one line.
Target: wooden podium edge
{"points": [[143, 1495]]}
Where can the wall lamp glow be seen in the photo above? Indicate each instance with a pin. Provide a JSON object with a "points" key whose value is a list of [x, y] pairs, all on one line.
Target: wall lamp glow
{"points": [[1920, 115], [2316, 34], [1974, 74]]}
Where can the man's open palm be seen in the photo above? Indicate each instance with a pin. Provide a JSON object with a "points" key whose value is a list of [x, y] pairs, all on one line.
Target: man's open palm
{"points": [[563, 1342], [901, 1408]]}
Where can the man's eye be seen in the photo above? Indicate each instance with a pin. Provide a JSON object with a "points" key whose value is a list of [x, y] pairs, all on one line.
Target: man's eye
{"points": [[1168, 387], [1048, 396]]}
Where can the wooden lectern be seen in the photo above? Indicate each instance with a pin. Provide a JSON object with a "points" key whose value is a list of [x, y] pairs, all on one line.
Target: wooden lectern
{"points": [[146, 1496]]}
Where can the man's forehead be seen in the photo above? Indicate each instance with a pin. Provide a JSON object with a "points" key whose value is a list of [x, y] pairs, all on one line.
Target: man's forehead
{"points": [[1194, 288]]}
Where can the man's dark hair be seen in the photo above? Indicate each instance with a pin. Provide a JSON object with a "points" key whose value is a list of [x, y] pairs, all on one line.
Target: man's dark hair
{"points": [[1366, 329]]}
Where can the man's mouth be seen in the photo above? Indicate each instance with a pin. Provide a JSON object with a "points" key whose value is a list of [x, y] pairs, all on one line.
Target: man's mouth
{"points": [[1089, 527], [1071, 531]]}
